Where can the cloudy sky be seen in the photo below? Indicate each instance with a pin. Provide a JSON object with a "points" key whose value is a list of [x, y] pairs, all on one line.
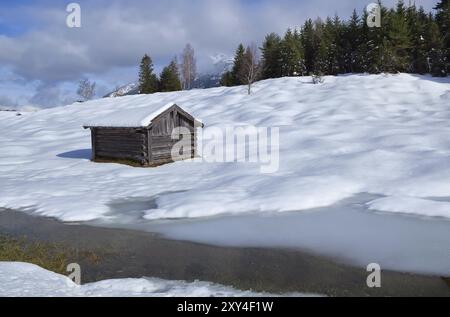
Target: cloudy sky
{"points": [[41, 59]]}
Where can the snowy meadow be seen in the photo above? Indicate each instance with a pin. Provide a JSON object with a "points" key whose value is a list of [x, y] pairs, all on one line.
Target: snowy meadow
{"points": [[380, 134]]}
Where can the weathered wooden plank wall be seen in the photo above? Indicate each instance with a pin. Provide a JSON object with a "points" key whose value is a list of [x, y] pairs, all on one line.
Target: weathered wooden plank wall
{"points": [[161, 135], [121, 143]]}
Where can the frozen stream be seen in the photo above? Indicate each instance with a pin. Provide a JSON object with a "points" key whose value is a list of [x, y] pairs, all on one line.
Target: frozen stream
{"points": [[346, 231]]}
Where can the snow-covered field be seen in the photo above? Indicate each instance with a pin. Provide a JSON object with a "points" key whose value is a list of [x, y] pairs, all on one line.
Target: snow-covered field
{"points": [[24, 279], [381, 134]]}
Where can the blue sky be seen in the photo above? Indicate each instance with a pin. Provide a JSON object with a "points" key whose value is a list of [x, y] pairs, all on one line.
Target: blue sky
{"points": [[41, 59]]}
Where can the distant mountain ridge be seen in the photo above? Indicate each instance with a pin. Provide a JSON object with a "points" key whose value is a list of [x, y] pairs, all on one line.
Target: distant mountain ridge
{"points": [[126, 90], [221, 64]]}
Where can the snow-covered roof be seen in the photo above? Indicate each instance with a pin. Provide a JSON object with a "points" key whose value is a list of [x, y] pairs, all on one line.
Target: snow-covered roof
{"points": [[137, 117]]}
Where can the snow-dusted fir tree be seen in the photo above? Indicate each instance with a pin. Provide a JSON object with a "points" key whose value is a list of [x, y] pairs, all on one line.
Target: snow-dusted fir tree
{"points": [[271, 57], [367, 52], [309, 41], [292, 55], [86, 89], [148, 82], [437, 59], [188, 67], [232, 77], [443, 21], [170, 77], [399, 43], [238, 64], [417, 24], [352, 45], [327, 60]]}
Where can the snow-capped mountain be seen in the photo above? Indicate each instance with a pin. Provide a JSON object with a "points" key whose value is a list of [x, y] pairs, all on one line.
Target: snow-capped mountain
{"points": [[126, 90], [221, 63]]}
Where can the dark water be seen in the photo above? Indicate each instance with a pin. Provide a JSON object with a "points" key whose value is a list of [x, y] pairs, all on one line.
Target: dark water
{"points": [[127, 254]]}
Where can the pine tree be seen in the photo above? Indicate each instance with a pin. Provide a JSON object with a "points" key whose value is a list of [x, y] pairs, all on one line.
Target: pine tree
{"points": [[292, 56], [327, 61], [367, 52], [352, 41], [383, 57], [309, 41], [271, 57], [148, 82], [232, 78], [399, 44], [443, 16], [409, 40], [170, 77], [239, 58], [227, 79], [300, 69], [437, 59], [443, 21], [417, 21], [338, 39]]}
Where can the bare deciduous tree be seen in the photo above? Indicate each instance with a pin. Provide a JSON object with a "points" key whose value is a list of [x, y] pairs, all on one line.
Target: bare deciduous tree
{"points": [[86, 89], [250, 68], [188, 67]]}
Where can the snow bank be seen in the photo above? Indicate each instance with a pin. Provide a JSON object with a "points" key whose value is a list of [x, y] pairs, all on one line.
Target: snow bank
{"points": [[412, 205], [28, 280], [381, 134]]}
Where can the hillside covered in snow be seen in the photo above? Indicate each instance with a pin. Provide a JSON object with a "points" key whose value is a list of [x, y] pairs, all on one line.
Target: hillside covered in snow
{"points": [[387, 135]]}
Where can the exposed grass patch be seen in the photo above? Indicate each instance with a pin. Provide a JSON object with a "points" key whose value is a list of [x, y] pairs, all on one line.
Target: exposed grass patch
{"points": [[51, 256]]}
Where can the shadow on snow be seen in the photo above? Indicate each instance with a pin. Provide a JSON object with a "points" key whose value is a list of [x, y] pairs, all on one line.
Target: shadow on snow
{"points": [[77, 154]]}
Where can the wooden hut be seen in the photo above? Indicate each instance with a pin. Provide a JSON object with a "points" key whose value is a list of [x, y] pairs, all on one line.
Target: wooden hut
{"points": [[142, 136]]}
